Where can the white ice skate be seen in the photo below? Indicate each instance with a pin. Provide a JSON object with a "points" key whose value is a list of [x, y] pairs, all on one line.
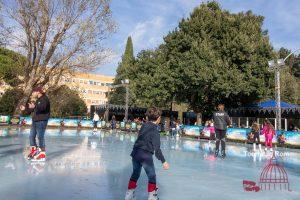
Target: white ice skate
{"points": [[254, 147], [130, 195], [259, 147], [271, 149], [153, 195]]}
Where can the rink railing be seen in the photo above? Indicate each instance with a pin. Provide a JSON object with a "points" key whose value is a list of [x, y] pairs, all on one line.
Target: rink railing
{"points": [[234, 134], [240, 134], [70, 123]]}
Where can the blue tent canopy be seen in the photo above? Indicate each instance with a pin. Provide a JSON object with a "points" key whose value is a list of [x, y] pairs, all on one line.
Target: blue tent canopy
{"points": [[266, 109], [272, 104]]}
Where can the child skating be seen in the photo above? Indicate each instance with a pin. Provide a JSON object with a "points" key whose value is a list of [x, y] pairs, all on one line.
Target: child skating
{"points": [[256, 140], [147, 144], [269, 132]]}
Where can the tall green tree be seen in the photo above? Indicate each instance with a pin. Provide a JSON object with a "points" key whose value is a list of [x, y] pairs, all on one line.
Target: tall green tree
{"points": [[218, 56], [290, 77], [125, 70], [152, 84]]}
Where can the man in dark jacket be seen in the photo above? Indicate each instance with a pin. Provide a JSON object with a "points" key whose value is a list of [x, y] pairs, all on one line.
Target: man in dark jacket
{"points": [[40, 116], [147, 144], [221, 121]]}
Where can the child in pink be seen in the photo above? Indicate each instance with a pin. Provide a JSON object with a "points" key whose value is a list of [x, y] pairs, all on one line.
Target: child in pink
{"points": [[269, 132]]}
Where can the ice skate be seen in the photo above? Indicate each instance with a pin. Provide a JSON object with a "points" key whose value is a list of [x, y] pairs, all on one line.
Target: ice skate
{"points": [[153, 195], [33, 152], [254, 147], [223, 155], [216, 153], [259, 147], [130, 195], [40, 156]]}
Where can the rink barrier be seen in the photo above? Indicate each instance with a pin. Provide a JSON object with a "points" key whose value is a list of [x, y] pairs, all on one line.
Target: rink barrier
{"points": [[240, 134], [233, 134], [70, 123]]}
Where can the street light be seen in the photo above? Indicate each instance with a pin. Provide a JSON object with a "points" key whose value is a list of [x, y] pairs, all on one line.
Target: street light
{"points": [[276, 65], [125, 82]]}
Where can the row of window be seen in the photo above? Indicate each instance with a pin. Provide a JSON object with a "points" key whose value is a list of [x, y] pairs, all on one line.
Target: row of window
{"points": [[83, 81], [93, 92], [98, 102]]}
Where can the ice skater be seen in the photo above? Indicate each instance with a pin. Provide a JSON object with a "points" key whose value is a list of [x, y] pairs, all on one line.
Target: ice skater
{"points": [[96, 120], [147, 143], [256, 132], [40, 116], [269, 132], [221, 121]]}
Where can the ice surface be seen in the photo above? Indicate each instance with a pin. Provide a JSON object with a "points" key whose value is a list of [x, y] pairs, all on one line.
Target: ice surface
{"points": [[81, 165]]}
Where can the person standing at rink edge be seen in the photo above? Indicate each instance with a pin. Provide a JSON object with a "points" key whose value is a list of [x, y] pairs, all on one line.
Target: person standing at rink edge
{"points": [[221, 122]]}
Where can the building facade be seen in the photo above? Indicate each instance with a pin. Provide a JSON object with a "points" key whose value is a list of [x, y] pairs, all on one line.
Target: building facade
{"points": [[91, 87]]}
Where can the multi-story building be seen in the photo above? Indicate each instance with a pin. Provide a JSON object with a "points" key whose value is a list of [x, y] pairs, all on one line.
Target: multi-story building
{"points": [[91, 87]]}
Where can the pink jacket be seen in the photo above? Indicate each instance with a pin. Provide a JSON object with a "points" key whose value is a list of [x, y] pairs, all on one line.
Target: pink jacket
{"points": [[268, 131], [211, 129]]}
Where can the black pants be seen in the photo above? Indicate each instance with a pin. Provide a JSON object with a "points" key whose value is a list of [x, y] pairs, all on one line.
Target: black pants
{"points": [[220, 137], [141, 158], [256, 138]]}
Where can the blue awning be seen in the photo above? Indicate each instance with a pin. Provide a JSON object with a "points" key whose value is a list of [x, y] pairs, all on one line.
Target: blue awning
{"points": [[272, 104]]}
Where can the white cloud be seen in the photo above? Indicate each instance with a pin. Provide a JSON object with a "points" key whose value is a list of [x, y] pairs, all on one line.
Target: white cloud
{"points": [[148, 34]]}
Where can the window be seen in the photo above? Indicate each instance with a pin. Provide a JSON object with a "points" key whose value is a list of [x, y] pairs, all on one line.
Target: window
{"points": [[85, 82], [102, 84], [81, 81], [90, 91], [91, 82]]}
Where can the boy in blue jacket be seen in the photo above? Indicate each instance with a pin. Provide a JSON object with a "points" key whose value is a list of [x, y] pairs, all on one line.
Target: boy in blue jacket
{"points": [[147, 144]]}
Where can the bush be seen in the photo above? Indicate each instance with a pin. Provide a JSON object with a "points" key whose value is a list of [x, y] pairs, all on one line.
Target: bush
{"points": [[10, 100]]}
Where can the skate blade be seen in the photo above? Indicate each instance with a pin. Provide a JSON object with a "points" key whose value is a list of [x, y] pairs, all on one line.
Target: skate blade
{"points": [[38, 160]]}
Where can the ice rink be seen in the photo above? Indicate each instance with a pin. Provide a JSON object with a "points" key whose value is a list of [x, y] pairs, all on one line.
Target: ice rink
{"points": [[81, 166]]}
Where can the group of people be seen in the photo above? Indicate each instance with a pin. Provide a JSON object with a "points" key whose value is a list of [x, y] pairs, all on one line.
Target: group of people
{"points": [[268, 131], [147, 143]]}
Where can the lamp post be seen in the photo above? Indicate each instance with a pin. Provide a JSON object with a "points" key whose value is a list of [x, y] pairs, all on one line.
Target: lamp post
{"points": [[277, 65], [125, 83]]}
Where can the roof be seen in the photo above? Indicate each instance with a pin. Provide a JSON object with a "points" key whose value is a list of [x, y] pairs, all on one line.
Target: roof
{"points": [[272, 104]]}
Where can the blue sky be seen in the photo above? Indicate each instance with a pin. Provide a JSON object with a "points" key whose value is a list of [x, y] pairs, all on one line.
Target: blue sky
{"points": [[148, 21]]}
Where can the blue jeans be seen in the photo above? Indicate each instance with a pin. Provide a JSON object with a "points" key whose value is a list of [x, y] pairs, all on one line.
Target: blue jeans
{"points": [[143, 159], [38, 129]]}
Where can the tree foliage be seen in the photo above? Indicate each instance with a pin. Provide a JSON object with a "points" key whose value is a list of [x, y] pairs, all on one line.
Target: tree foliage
{"points": [[212, 56], [56, 36], [290, 77], [9, 101], [11, 66], [125, 70], [66, 102]]}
